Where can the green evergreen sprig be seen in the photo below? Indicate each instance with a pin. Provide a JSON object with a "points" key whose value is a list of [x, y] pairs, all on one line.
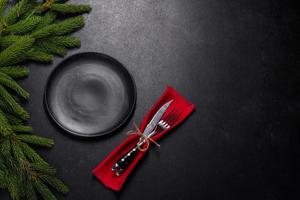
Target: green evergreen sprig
{"points": [[29, 30], [7, 81], [5, 129], [70, 8], [15, 53], [3, 4], [55, 183], [6, 41], [16, 12], [12, 104], [15, 71], [36, 140], [21, 128], [24, 26], [60, 28]]}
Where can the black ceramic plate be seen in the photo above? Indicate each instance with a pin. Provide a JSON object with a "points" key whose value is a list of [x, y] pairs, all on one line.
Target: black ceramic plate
{"points": [[90, 94]]}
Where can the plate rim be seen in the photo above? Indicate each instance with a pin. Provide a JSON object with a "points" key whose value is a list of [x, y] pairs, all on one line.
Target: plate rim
{"points": [[99, 134]]}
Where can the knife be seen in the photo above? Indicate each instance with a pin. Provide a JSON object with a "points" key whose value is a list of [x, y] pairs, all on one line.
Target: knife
{"points": [[121, 165]]}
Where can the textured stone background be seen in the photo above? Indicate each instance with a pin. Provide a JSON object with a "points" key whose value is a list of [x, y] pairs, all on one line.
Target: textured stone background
{"points": [[236, 60]]}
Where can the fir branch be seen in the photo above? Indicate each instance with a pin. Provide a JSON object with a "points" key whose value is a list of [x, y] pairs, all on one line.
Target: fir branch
{"points": [[24, 26], [21, 128], [69, 25], [17, 151], [55, 183], [5, 128], [16, 12], [44, 190], [3, 183], [31, 5], [14, 186], [13, 120], [38, 55], [65, 41], [14, 106], [47, 19], [50, 48], [31, 154], [8, 40], [10, 83], [30, 192], [46, 37], [57, 44], [60, 28], [15, 71], [4, 107], [9, 113], [36, 140], [3, 167], [70, 8], [5, 146], [3, 4], [16, 52], [44, 168]]}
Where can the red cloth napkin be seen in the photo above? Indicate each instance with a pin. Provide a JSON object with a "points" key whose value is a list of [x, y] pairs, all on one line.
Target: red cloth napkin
{"points": [[103, 172]]}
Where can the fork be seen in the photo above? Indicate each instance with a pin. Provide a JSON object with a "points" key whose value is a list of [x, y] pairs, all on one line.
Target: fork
{"points": [[162, 125], [165, 123]]}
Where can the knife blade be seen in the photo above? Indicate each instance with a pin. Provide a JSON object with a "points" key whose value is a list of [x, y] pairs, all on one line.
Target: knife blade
{"points": [[155, 119]]}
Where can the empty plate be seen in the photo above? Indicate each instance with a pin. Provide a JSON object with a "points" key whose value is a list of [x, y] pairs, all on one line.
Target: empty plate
{"points": [[90, 94]]}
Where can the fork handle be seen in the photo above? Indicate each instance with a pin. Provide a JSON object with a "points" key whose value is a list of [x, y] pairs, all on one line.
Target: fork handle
{"points": [[122, 164]]}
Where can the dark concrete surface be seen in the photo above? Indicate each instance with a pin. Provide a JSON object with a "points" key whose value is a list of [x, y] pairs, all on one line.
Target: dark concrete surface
{"points": [[237, 61]]}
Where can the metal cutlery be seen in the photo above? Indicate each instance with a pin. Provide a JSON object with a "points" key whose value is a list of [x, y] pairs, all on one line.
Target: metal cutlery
{"points": [[125, 160], [156, 125], [165, 123]]}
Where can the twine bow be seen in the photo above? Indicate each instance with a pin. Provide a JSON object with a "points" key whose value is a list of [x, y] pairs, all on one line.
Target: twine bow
{"points": [[143, 138]]}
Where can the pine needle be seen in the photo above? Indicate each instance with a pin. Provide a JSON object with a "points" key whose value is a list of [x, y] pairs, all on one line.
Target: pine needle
{"points": [[15, 71], [24, 26], [3, 183], [44, 190], [5, 147], [3, 4], [17, 152], [51, 48], [65, 41], [13, 120], [21, 128], [5, 128], [14, 106], [8, 82], [38, 55], [30, 192], [6, 41], [60, 28], [31, 154], [70, 8], [36, 140], [55, 183], [47, 19], [44, 168], [14, 186], [15, 53], [16, 12]]}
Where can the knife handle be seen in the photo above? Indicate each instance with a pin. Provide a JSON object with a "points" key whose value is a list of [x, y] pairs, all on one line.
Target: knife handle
{"points": [[121, 165]]}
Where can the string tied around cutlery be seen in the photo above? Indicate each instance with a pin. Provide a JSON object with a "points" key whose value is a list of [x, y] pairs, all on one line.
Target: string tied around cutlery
{"points": [[143, 137]]}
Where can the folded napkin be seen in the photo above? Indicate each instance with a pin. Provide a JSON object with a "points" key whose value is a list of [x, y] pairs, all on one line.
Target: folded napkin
{"points": [[103, 172]]}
